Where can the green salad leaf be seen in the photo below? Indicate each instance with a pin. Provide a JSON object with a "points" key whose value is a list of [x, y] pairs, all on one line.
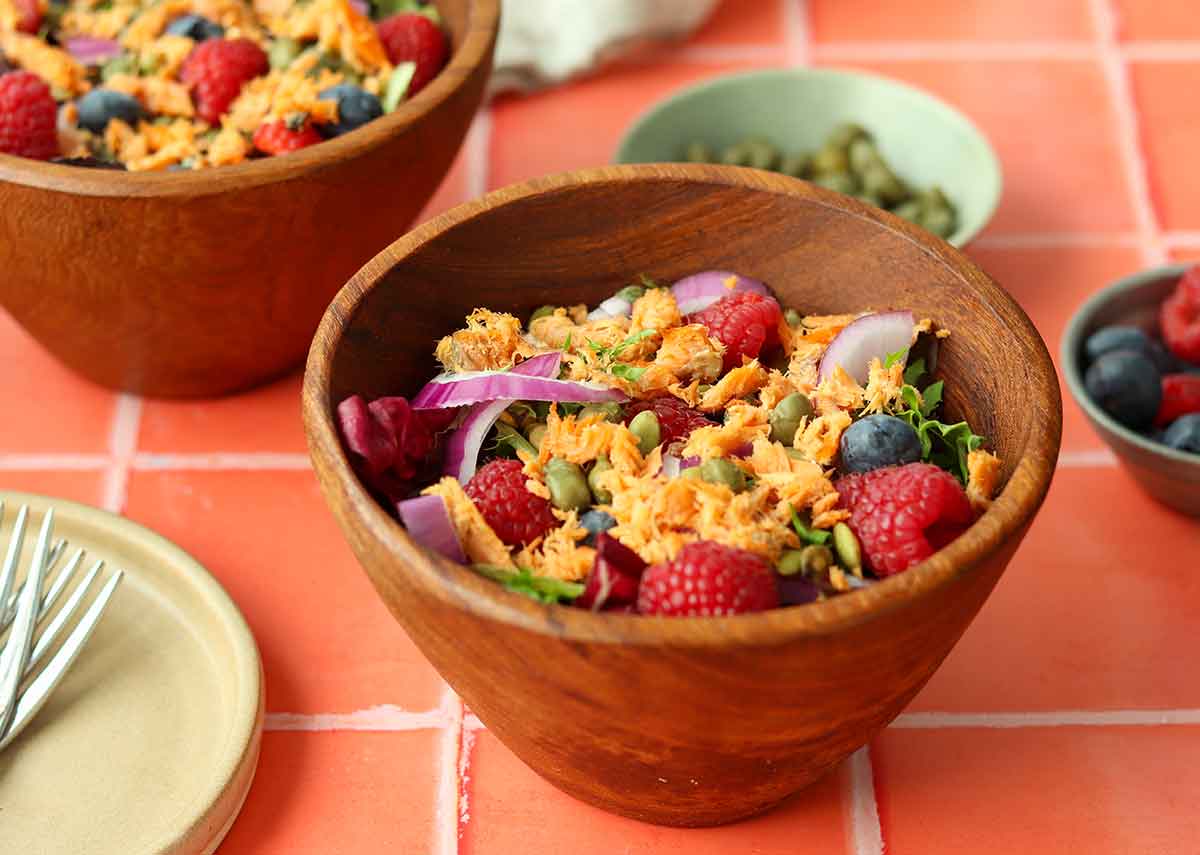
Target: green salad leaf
{"points": [[944, 445], [522, 581], [806, 533], [914, 372], [893, 358]]}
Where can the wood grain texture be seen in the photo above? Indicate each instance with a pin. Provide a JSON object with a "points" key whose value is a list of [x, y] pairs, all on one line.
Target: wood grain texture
{"points": [[210, 282], [682, 721]]}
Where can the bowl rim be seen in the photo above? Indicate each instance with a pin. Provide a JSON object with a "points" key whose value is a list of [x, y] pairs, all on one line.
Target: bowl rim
{"points": [[461, 588], [995, 173], [1069, 349], [483, 20]]}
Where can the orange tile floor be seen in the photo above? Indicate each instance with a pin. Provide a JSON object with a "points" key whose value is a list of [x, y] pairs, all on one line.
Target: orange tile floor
{"points": [[1067, 719]]}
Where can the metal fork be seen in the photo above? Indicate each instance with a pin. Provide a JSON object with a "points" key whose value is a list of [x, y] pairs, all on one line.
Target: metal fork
{"points": [[25, 682]]}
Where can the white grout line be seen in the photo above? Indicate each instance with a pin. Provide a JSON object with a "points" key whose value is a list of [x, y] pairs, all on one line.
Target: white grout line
{"points": [[1116, 73], [1182, 240], [472, 722], [912, 51], [1055, 240], [223, 461], [863, 829], [59, 462], [1098, 458], [122, 443], [1162, 51], [478, 153], [797, 32], [1053, 718], [448, 807], [382, 718], [466, 746]]}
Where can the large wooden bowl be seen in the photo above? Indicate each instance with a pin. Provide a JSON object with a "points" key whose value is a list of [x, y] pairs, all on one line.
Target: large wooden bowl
{"points": [[204, 283], [682, 721]]}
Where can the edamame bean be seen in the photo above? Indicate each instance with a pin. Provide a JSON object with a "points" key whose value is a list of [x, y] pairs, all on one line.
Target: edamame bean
{"points": [[797, 165], [844, 135], [786, 417], [790, 562], [646, 430], [839, 182], [568, 487], [542, 312], [698, 152], [535, 434], [718, 470], [609, 412], [815, 560], [830, 160], [846, 544], [602, 465]]}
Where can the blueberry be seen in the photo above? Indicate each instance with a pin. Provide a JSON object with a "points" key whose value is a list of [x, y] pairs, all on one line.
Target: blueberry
{"points": [[596, 522], [195, 27], [89, 163], [877, 441], [1183, 434], [1122, 337], [100, 106], [356, 107], [1127, 385]]}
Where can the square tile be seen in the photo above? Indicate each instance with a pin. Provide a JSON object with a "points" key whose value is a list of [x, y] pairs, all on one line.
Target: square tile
{"points": [[514, 811], [1066, 178], [1161, 20], [524, 147], [328, 643], [48, 408], [266, 419], [743, 22], [1099, 790], [1185, 253], [84, 486], [344, 793], [949, 20], [1170, 138], [1051, 284], [1097, 611]]}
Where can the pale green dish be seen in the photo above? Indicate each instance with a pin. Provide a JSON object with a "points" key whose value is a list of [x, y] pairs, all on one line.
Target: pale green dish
{"points": [[924, 140]]}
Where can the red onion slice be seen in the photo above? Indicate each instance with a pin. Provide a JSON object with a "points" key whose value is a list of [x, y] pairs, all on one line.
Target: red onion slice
{"points": [[462, 449], [511, 387], [429, 524], [869, 337], [442, 387], [362, 7], [92, 51], [701, 290], [670, 465]]}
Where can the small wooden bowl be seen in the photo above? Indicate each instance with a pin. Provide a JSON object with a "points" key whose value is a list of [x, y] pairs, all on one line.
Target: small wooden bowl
{"points": [[210, 282], [1170, 476], [686, 721]]}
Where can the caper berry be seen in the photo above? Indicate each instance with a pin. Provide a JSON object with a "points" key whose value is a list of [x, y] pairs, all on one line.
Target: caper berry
{"points": [[839, 182], [568, 487], [786, 417], [601, 495], [845, 542], [646, 430], [830, 160], [542, 312], [718, 470], [698, 152]]}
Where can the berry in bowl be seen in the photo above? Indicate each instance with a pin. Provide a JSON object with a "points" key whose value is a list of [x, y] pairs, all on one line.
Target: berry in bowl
{"points": [[690, 640], [1131, 357]]}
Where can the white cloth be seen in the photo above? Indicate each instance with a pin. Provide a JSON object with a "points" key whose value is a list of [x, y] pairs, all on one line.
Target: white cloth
{"points": [[544, 42]]}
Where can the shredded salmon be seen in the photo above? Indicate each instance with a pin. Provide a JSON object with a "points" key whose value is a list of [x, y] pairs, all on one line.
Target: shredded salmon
{"points": [[737, 383], [817, 439], [837, 392], [883, 386], [983, 476], [744, 424], [492, 341], [561, 554], [479, 542]]}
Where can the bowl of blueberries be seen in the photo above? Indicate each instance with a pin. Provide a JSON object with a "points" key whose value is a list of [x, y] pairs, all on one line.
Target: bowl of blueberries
{"points": [[1131, 356]]}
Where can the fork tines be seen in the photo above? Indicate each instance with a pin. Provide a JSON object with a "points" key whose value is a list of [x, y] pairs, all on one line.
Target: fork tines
{"points": [[25, 682]]}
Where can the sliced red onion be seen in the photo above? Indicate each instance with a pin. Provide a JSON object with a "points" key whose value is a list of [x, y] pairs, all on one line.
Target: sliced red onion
{"points": [[544, 365], [92, 51], [869, 337], [361, 6], [511, 386], [670, 466], [701, 290], [688, 463], [462, 449], [598, 314], [428, 522], [613, 307]]}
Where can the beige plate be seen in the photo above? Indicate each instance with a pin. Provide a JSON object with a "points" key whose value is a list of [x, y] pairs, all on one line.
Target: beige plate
{"points": [[150, 743]]}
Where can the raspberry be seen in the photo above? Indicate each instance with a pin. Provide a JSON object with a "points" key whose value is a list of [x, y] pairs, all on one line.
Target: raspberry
{"points": [[708, 579], [675, 418], [746, 323], [409, 37], [28, 116], [1179, 317], [29, 16], [278, 138], [903, 514], [1180, 396], [217, 69], [515, 514]]}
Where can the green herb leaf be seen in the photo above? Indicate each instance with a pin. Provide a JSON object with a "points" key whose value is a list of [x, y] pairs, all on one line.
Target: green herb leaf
{"points": [[805, 533], [930, 398], [632, 373], [943, 445], [893, 358], [540, 588], [914, 372], [610, 354], [647, 282], [567, 343]]}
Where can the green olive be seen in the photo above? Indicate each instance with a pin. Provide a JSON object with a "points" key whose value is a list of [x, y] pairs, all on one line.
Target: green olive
{"points": [[790, 562], [608, 411], [542, 312], [721, 471], [845, 542], [535, 434], [738, 154], [630, 293], [844, 135], [646, 430], [568, 487], [830, 160], [601, 495], [792, 317], [815, 560], [786, 417], [797, 165], [882, 182], [839, 182], [763, 155], [698, 152]]}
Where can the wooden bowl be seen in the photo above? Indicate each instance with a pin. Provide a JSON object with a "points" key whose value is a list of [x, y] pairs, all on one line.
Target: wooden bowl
{"points": [[204, 283], [682, 721]]}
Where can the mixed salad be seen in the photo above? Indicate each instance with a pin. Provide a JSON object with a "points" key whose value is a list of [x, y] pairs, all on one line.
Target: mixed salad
{"points": [[695, 450]]}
